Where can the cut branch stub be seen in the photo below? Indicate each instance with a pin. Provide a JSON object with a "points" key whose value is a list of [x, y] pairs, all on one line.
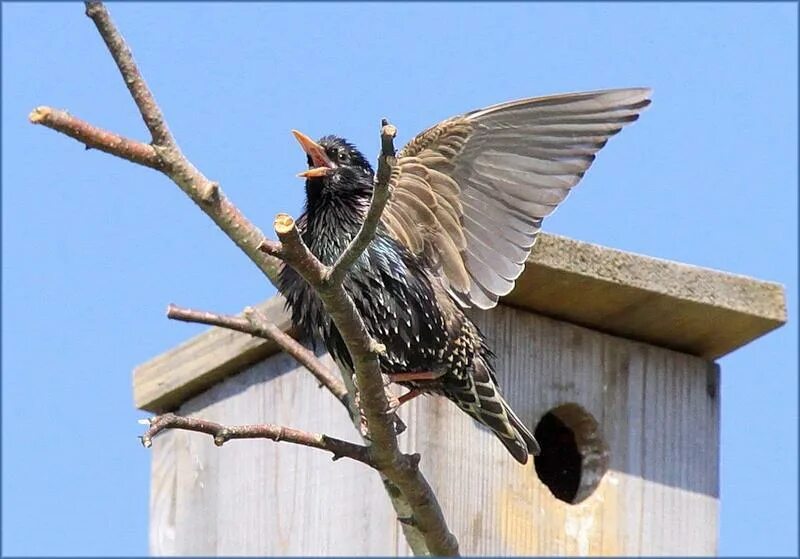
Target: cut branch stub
{"points": [[284, 224]]}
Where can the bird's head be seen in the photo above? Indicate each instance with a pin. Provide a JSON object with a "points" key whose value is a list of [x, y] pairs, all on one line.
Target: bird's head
{"points": [[335, 167]]}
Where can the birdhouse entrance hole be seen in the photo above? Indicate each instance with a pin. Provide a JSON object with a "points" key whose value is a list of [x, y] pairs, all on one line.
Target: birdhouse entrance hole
{"points": [[574, 456]]}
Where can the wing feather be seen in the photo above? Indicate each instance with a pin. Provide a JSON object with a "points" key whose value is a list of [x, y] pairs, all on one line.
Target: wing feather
{"points": [[473, 190]]}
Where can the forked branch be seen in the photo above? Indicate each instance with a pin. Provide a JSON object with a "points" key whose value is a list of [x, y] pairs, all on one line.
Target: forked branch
{"points": [[256, 324], [426, 530], [122, 55]]}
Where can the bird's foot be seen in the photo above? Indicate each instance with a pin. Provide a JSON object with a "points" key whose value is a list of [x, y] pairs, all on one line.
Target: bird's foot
{"points": [[363, 430], [395, 402], [399, 425]]}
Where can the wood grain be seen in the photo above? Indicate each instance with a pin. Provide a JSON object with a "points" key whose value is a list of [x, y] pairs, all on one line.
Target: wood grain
{"points": [[655, 411], [163, 494]]}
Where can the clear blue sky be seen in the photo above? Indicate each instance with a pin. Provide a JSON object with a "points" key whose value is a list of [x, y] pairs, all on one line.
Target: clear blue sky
{"points": [[94, 248]]}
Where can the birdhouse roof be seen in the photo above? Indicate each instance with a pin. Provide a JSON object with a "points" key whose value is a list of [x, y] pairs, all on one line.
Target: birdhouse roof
{"points": [[693, 310]]}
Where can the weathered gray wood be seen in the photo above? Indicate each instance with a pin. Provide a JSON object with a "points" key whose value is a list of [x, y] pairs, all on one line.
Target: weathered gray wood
{"points": [[197, 460], [263, 498], [693, 310], [163, 494], [653, 406]]}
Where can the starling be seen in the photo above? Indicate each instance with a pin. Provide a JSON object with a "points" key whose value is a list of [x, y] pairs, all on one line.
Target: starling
{"points": [[468, 197]]}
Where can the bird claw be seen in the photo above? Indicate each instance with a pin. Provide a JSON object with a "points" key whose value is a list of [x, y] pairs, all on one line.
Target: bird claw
{"points": [[394, 402], [399, 426]]}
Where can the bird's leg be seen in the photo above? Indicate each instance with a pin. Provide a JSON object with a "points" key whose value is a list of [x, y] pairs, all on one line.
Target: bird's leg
{"points": [[410, 395], [414, 376], [394, 403]]}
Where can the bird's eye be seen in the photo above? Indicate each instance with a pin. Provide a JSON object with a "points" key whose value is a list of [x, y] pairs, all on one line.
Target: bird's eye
{"points": [[342, 155]]}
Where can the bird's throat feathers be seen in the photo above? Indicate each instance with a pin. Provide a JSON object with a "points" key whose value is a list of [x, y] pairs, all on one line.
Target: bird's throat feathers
{"points": [[334, 213]]}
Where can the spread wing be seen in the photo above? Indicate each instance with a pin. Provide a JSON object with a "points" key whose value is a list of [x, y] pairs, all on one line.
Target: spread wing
{"points": [[471, 192]]}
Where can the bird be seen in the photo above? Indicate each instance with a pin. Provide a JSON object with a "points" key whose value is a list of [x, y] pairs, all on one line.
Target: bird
{"points": [[468, 197]]}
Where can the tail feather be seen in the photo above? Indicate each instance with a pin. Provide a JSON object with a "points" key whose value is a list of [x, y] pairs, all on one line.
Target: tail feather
{"points": [[530, 441], [493, 411]]}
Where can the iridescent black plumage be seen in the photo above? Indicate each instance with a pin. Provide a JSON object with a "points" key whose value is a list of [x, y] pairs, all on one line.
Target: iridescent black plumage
{"points": [[403, 304], [468, 199]]}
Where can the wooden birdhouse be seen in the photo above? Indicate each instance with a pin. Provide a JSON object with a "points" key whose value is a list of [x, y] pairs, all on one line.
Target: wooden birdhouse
{"points": [[609, 357]]}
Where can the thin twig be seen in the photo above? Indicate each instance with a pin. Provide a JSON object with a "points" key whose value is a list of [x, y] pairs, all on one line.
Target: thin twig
{"points": [[277, 433], [256, 324], [380, 196], [144, 99], [97, 138]]}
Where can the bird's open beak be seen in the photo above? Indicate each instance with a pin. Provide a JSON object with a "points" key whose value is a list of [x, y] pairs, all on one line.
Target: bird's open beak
{"points": [[322, 164]]}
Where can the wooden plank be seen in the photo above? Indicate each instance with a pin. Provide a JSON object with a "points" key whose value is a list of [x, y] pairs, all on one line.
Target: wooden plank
{"points": [[163, 494], [693, 310], [197, 474], [653, 407], [263, 498]]}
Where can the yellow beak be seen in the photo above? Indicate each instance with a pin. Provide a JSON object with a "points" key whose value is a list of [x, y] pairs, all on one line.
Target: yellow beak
{"points": [[322, 164]]}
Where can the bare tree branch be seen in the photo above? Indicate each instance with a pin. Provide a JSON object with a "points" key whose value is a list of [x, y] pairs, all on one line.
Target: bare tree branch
{"points": [[256, 324], [97, 138], [205, 193], [399, 470], [277, 433], [149, 109]]}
